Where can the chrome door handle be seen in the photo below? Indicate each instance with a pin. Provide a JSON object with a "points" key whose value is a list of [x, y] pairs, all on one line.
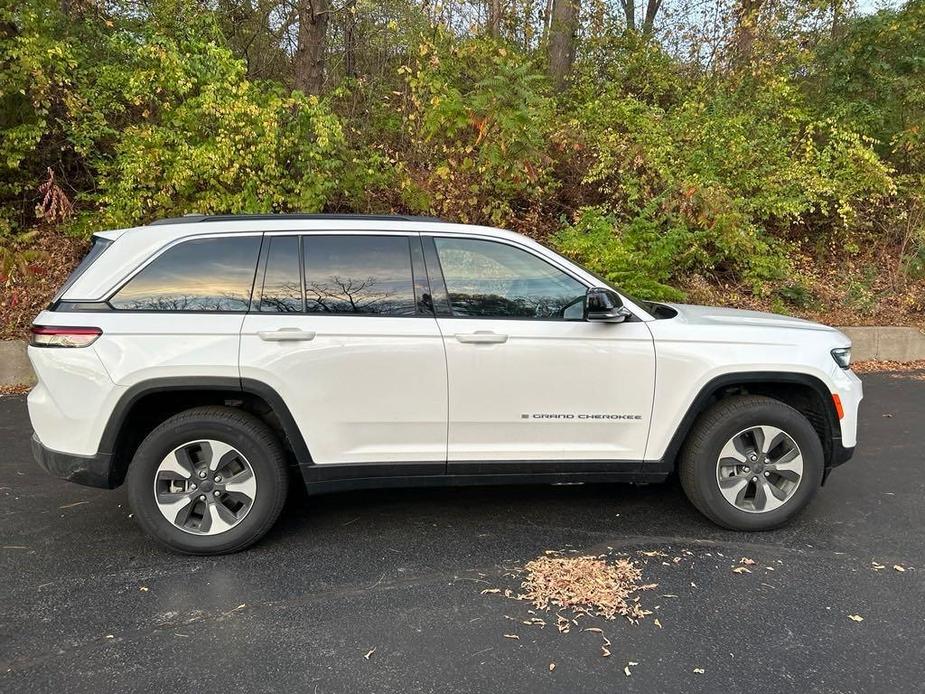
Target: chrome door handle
{"points": [[285, 335], [481, 337]]}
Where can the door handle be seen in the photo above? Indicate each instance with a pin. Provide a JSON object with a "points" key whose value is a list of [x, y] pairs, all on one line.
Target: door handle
{"points": [[481, 337], [285, 335]]}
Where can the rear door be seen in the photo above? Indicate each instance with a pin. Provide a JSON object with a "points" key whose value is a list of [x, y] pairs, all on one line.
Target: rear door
{"points": [[343, 329]]}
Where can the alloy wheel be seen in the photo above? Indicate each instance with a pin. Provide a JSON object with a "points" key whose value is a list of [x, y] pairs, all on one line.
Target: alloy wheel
{"points": [[759, 469], [205, 487]]}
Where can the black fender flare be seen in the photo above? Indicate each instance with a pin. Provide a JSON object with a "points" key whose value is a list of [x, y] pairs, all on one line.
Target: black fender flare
{"points": [[743, 378], [136, 392]]}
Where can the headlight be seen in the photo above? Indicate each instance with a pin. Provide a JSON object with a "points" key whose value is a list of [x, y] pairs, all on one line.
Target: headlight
{"points": [[842, 356]]}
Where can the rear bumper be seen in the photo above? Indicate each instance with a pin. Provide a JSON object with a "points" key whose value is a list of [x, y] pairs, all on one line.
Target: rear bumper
{"points": [[90, 471]]}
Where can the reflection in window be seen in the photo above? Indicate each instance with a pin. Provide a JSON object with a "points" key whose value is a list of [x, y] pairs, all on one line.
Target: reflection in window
{"points": [[199, 275], [368, 275], [491, 279], [282, 286]]}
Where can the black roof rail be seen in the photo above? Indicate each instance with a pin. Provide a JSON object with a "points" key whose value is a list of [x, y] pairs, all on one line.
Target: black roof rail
{"points": [[195, 218]]}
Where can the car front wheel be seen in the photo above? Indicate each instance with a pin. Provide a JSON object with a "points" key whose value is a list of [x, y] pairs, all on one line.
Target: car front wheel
{"points": [[210, 480], [751, 463]]}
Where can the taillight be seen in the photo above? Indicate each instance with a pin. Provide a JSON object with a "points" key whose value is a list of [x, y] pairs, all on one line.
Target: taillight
{"points": [[60, 336]]}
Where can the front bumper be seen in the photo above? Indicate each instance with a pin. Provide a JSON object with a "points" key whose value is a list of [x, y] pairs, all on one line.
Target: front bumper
{"points": [[90, 471]]}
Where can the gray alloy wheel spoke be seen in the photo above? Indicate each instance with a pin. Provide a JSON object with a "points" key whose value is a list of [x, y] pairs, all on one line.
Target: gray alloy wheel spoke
{"points": [[219, 453], [184, 511], [778, 439], [742, 447], [761, 496], [787, 457], [210, 503], [776, 491], [789, 475], [242, 483], [749, 479]]}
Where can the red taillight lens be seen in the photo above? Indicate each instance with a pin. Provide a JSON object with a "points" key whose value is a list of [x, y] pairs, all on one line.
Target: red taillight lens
{"points": [[60, 336]]}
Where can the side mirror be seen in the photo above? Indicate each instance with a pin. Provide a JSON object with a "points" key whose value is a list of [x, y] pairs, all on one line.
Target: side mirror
{"points": [[605, 306]]}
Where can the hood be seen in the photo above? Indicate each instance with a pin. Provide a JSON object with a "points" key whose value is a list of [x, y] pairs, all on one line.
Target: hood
{"points": [[731, 317]]}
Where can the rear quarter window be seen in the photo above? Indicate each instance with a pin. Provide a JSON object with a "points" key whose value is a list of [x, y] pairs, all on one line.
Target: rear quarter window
{"points": [[199, 275]]}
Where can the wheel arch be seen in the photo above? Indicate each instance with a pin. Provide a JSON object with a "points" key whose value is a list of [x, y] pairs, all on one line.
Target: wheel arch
{"points": [[804, 392], [144, 405]]}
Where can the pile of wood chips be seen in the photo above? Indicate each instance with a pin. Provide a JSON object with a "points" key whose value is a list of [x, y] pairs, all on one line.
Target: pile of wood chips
{"points": [[589, 584]]}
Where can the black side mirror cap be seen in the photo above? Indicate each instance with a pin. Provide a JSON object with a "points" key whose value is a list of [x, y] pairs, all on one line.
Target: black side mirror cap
{"points": [[604, 305]]}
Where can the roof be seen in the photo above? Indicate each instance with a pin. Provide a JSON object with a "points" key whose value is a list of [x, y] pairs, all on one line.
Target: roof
{"points": [[195, 218]]}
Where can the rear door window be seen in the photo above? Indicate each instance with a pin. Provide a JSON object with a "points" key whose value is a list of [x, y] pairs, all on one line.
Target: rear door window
{"points": [[198, 275], [359, 275], [282, 281]]}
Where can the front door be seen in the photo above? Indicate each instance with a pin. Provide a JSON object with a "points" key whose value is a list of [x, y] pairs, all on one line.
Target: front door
{"points": [[529, 378], [344, 332]]}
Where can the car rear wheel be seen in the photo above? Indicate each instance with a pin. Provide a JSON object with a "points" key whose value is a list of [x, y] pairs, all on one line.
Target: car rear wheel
{"points": [[210, 480], [751, 463]]}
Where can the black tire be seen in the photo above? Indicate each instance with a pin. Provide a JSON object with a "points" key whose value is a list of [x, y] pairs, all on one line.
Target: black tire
{"points": [[249, 435], [698, 461]]}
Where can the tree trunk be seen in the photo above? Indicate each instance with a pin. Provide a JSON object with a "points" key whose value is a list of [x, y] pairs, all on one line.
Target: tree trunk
{"points": [[494, 18], [350, 40], [308, 63], [648, 24], [746, 30], [563, 27], [629, 9]]}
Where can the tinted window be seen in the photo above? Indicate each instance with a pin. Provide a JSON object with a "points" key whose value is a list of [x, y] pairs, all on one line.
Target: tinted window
{"points": [[282, 285], [200, 275], [491, 279], [369, 275]]}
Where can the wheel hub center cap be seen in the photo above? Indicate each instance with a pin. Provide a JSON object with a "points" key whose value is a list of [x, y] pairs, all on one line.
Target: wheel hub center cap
{"points": [[206, 486]]}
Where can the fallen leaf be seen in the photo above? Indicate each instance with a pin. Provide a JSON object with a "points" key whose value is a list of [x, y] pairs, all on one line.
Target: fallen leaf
{"points": [[855, 618], [512, 636], [76, 503], [658, 623], [699, 670], [491, 591], [144, 589], [604, 652], [552, 666], [626, 671], [371, 651], [747, 561], [899, 568], [741, 570]]}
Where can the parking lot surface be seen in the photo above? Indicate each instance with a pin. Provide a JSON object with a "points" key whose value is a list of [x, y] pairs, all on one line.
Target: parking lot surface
{"points": [[382, 590]]}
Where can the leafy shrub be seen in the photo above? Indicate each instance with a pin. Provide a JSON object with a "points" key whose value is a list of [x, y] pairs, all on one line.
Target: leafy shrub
{"points": [[636, 258], [476, 122]]}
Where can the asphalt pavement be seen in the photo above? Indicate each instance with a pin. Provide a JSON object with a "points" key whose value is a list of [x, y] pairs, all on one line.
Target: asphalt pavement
{"points": [[381, 591]]}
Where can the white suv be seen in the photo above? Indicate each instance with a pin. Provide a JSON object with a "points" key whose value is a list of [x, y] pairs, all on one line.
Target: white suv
{"points": [[203, 360]]}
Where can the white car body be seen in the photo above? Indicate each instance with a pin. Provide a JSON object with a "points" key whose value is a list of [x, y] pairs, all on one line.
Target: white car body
{"points": [[422, 394]]}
